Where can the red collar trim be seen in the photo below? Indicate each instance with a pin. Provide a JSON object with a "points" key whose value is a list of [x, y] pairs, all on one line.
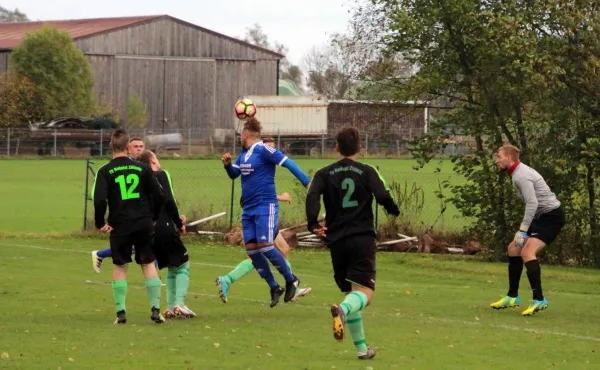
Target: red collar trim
{"points": [[513, 168]]}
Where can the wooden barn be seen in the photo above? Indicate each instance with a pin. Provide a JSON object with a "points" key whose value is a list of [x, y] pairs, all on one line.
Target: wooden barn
{"points": [[189, 76]]}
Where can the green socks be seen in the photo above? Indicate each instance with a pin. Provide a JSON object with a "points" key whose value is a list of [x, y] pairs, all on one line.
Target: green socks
{"points": [[153, 289], [354, 302], [182, 283], [120, 293], [355, 324], [289, 264], [241, 270], [171, 276]]}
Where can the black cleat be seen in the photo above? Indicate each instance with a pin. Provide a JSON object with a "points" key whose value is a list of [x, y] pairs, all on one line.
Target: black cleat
{"points": [[367, 356], [121, 318], [156, 316], [290, 290], [276, 293]]}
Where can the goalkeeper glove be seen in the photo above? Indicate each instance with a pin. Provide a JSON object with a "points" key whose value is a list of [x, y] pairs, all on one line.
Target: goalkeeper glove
{"points": [[520, 238]]}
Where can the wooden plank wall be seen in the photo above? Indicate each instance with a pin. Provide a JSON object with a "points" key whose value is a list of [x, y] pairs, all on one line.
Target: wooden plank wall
{"points": [[166, 37], [103, 68], [4, 61]]}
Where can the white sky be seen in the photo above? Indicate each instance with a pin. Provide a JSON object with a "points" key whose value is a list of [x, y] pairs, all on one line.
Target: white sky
{"points": [[296, 24]]}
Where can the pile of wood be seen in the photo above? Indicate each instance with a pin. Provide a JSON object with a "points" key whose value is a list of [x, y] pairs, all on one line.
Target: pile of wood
{"points": [[428, 245]]}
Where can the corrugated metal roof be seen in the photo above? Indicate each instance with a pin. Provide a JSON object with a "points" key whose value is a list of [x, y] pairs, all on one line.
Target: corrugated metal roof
{"points": [[12, 33], [288, 101]]}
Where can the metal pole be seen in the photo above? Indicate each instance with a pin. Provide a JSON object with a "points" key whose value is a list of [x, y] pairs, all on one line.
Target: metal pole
{"points": [[8, 142], [54, 149], [85, 199], [323, 144], [234, 139], [366, 144], [277, 79], [231, 204], [101, 137], [376, 211], [279, 139], [189, 142]]}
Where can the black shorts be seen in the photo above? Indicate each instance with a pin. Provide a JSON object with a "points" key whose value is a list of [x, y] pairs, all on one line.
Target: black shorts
{"points": [[353, 260], [122, 240], [169, 250], [547, 226]]}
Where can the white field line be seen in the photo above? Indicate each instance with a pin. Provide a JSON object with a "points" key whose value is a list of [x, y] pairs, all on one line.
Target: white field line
{"points": [[411, 284], [399, 315]]}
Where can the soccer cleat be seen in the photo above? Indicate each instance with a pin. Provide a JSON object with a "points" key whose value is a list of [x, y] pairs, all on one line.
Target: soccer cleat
{"points": [[276, 294], [168, 314], [367, 355], [121, 318], [183, 312], [506, 302], [156, 316], [339, 322], [290, 290], [96, 262], [301, 293], [535, 307], [223, 288]]}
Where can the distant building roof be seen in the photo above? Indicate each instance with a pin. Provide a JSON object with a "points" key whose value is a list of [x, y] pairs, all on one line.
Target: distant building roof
{"points": [[11, 34]]}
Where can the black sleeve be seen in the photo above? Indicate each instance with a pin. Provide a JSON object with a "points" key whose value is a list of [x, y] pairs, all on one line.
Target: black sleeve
{"points": [[313, 201], [99, 195], [155, 190], [170, 203], [381, 192]]}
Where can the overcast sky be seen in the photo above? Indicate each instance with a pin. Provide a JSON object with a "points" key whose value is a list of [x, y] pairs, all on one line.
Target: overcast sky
{"points": [[296, 24]]}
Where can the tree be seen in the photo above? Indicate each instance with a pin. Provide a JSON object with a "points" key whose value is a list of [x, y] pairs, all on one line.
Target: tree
{"points": [[519, 72], [137, 112], [19, 101], [8, 16], [60, 71], [328, 71], [256, 35]]}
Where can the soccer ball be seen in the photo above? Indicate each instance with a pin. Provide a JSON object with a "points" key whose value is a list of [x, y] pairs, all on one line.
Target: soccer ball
{"points": [[245, 108]]}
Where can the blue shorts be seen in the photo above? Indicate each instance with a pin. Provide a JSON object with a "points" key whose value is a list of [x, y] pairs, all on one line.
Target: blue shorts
{"points": [[260, 223]]}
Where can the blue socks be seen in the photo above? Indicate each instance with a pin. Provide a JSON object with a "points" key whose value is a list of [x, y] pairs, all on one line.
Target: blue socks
{"points": [[104, 253], [276, 258], [261, 264]]}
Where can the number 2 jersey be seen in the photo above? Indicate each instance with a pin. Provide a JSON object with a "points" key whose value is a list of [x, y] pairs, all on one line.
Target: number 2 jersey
{"points": [[132, 192], [348, 188]]}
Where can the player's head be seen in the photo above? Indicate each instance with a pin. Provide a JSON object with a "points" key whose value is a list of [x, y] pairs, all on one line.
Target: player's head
{"points": [[348, 142], [251, 131], [506, 156], [149, 158], [119, 141], [269, 141], [136, 146]]}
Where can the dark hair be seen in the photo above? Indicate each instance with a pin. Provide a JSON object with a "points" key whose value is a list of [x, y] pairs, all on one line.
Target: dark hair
{"points": [[136, 138], [348, 141], [253, 125], [145, 157], [268, 140], [119, 140]]}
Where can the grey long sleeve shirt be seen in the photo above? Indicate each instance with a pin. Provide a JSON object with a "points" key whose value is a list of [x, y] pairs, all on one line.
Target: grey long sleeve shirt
{"points": [[532, 189]]}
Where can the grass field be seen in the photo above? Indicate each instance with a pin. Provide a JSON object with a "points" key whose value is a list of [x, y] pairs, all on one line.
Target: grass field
{"points": [[429, 312], [47, 196]]}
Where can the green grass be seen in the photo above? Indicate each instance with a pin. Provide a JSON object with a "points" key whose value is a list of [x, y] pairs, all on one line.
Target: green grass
{"points": [[48, 196], [429, 312]]}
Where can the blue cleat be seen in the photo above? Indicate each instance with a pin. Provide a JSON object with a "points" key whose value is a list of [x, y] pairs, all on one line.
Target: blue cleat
{"points": [[223, 288], [536, 306]]}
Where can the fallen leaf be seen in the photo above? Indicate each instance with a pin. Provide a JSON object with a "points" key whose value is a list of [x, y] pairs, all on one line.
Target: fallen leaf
{"points": [[5, 356], [451, 346], [26, 331], [417, 332], [270, 355], [476, 318], [207, 327], [217, 345], [408, 292], [71, 359]]}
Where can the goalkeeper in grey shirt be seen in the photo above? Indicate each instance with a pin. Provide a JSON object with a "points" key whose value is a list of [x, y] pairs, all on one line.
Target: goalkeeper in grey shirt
{"points": [[543, 220]]}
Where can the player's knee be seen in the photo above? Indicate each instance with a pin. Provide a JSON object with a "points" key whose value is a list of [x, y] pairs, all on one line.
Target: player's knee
{"points": [[513, 250]]}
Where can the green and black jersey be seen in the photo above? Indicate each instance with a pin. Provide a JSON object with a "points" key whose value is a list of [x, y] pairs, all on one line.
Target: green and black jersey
{"points": [[131, 191], [169, 219], [348, 188]]}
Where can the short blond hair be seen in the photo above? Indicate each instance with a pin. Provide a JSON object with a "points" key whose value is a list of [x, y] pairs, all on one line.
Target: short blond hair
{"points": [[510, 150]]}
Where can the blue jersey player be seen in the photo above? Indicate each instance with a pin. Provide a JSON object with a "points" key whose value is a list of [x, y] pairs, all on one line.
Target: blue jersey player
{"points": [[260, 209]]}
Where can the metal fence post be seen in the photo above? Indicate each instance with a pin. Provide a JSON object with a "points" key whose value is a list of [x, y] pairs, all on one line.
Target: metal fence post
{"points": [[234, 139], [231, 204], [54, 149], [377, 210], [85, 195], [367, 144], [190, 142], [101, 144], [323, 144], [8, 142], [279, 139]]}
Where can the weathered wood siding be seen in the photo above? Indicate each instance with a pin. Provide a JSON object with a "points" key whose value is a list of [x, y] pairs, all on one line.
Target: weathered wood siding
{"points": [[168, 37], [4, 61]]}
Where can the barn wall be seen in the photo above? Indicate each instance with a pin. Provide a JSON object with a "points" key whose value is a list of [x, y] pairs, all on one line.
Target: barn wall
{"points": [[167, 37], [4, 61]]}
